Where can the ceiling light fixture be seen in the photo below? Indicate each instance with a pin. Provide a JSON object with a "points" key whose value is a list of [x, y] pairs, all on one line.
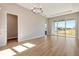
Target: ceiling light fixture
{"points": [[37, 10]]}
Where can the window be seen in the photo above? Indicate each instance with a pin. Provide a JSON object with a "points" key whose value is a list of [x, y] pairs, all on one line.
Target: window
{"points": [[65, 28]]}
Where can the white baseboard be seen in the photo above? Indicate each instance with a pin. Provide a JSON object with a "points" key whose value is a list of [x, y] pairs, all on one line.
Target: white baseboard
{"points": [[20, 40], [12, 37]]}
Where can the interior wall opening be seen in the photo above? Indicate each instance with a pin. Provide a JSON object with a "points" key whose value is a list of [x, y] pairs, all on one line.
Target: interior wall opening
{"points": [[12, 29]]}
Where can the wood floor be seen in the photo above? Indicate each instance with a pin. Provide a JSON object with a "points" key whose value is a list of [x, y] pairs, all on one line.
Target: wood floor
{"points": [[47, 46]]}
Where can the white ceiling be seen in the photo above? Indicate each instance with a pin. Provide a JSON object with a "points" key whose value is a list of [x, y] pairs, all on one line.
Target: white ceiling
{"points": [[53, 9]]}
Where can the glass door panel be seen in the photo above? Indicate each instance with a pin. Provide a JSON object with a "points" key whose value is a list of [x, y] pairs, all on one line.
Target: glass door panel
{"points": [[61, 28], [70, 28]]}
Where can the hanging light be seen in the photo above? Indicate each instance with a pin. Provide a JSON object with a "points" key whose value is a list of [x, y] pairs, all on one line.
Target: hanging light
{"points": [[37, 10]]}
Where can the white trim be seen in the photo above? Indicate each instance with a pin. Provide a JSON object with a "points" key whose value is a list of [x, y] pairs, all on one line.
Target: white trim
{"points": [[8, 12], [12, 37], [63, 13], [21, 40]]}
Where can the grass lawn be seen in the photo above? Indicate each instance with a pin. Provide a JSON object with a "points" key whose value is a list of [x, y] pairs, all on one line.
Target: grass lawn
{"points": [[69, 32]]}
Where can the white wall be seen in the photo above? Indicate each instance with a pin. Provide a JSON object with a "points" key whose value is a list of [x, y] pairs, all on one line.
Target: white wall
{"points": [[29, 25], [2, 28]]}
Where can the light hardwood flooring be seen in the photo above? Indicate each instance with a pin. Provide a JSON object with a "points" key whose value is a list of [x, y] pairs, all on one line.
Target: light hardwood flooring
{"points": [[46, 46]]}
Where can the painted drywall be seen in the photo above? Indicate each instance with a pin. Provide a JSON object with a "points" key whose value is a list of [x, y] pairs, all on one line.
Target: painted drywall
{"points": [[2, 28], [30, 25], [12, 26]]}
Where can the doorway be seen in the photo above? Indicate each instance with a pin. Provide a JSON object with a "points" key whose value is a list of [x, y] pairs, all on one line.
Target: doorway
{"points": [[12, 29], [65, 28]]}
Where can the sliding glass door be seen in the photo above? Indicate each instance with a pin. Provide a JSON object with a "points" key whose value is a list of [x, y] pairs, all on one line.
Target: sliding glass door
{"points": [[65, 28], [61, 28], [70, 28]]}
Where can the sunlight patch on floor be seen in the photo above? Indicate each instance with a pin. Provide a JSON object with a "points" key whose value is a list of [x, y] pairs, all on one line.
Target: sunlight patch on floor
{"points": [[7, 52], [20, 48], [29, 45]]}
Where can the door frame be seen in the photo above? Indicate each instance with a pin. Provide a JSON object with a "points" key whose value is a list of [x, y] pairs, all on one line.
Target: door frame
{"points": [[65, 25], [7, 26]]}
